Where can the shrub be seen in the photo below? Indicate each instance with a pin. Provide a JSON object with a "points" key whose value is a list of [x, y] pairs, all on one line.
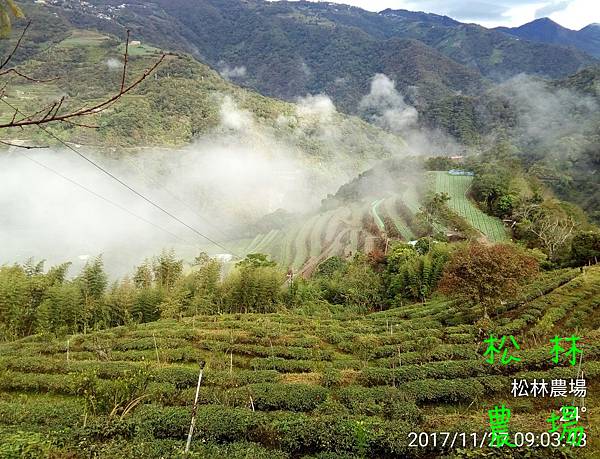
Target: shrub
{"points": [[290, 397], [285, 366], [25, 445], [444, 390], [385, 402]]}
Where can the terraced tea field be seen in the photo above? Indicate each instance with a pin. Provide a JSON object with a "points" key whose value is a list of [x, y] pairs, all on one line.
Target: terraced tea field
{"points": [[457, 186], [359, 227], [304, 244], [288, 385], [342, 231]]}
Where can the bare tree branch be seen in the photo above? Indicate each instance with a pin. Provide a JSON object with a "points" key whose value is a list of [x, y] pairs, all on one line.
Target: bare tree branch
{"points": [[17, 45], [50, 113], [27, 147], [84, 125], [28, 121], [27, 77], [126, 55], [553, 232]]}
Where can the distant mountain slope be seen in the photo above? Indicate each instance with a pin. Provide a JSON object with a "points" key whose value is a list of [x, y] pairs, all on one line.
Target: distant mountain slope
{"points": [[182, 102], [545, 30], [288, 49], [491, 52]]}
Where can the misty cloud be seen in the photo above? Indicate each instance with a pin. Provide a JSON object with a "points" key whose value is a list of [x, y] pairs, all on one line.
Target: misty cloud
{"points": [[319, 106], [230, 73], [305, 69], [547, 113], [234, 118], [221, 184], [468, 10], [114, 64], [551, 8], [386, 107]]}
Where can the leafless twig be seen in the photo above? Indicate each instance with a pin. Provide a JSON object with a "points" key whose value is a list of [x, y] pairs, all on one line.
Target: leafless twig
{"points": [[27, 147], [50, 114], [14, 50]]}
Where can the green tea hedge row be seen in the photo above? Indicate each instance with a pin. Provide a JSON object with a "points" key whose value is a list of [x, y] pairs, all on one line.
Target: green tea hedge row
{"points": [[450, 369], [293, 353], [285, 366], [41, 411], [270, 397], [295, 433]]}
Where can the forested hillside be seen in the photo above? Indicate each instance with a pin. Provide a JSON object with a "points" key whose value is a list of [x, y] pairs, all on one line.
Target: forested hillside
{"points": [[182, 102], [292, 53], [438, 65]]}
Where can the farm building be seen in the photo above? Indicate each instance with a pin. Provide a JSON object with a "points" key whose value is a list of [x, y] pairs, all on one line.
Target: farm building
{"points": [[460, 172]]}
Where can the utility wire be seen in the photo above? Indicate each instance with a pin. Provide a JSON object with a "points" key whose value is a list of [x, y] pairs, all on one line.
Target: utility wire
{"points": [[173, 195], [123, 183], [98, 195]]}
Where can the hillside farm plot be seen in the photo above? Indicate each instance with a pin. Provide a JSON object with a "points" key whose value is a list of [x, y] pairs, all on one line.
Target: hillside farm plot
{"points": [[302, 242], [376, 215], [317, 234], [286, 385], [457, 186], [80, 37], [402, 227], [267, 242], [410, 197]]}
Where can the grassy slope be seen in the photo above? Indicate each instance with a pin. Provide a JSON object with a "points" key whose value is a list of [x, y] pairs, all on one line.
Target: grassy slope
{"points": [[304, 371], [457, 186]]}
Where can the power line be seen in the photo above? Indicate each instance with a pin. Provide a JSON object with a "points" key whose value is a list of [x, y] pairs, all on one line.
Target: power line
{"points": [[98, 195], [123, 183], [174, 195]]}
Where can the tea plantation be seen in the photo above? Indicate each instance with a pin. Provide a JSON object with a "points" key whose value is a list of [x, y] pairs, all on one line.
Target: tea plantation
{"points": [[289, 385]]}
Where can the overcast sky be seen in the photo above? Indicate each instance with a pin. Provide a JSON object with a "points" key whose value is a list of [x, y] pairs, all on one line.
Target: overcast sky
{"points": [[573, 14]]}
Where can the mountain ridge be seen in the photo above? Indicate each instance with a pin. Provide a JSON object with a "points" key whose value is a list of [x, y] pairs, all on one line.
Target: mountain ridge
{"points": [[286, 47], [545, 30]]}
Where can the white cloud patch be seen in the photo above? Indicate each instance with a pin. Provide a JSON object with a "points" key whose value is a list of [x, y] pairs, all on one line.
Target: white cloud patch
{"points": [[114, 64], [319, 106], [232, 117], [385, 106], [305, 69], [232, 73], [573, 14]]}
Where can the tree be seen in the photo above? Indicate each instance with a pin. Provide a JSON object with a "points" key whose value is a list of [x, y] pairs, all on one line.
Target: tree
{"points": [[254, 286], [329, 266], [120, 301], [487, 274], [585, 247], [167, 270], [492, 189], [433, 205], [412, 274], [61, 312], [202, 285], [553, 232], [8, 8], [361, 285], [92, 283], [14, 296], [549, 224], [256, 260], [143, 277]]}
